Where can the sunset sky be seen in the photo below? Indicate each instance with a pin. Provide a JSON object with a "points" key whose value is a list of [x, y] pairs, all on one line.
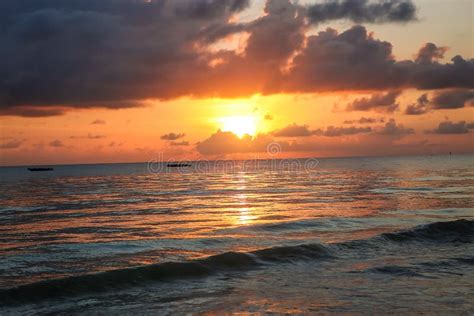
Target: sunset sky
{"points": [[125, 80]]}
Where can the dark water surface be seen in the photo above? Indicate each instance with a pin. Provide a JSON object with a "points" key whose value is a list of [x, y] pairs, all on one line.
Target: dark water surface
{"points": [[346, 235]]}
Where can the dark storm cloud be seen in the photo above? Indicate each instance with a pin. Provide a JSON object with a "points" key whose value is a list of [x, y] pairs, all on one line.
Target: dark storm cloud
{"points": [[275, 36], [378, 102], [272, 40], [209, 9], [173, 136], [355, 60], [420, 107], [56, 54], [425, 76], [101, 53], [448, 127], [453, 99], [351, 60], [134, 11], [361, 11]]}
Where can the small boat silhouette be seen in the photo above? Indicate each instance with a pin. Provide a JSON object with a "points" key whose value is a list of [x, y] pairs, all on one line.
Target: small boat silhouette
{"points": [[178, 165], [40, 169]]}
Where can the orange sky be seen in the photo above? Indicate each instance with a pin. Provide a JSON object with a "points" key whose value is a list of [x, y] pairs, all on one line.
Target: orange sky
{"points": [[96, 134]]}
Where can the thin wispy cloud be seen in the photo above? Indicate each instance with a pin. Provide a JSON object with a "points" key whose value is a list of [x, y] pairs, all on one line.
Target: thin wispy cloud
{"points": [[172, 136]]}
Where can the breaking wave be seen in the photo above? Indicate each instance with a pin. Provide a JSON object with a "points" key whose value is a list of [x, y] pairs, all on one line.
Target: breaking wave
{"points": [[453, 231], [104, 281]]}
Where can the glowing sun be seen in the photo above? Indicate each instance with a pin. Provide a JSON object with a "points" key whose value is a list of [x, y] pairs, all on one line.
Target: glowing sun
{"points": [[239, 125]]}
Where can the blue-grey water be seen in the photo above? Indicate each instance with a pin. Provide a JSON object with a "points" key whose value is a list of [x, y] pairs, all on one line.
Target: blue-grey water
{"points": [[354, 235]]}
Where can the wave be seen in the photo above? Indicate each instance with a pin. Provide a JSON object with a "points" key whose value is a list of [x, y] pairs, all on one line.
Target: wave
{"points": [[289, 225], [424, 269], [454, 231], [395, 270], [104, 281]]}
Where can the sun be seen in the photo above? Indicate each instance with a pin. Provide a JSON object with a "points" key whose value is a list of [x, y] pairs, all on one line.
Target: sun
{"points": [[239, 125]]}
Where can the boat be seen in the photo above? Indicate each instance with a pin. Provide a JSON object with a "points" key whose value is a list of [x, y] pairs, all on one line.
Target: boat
{"points": [[179, 165], [40, 169]]}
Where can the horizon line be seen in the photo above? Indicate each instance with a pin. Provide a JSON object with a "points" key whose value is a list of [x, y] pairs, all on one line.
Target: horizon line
{"points": [[259, 159]]}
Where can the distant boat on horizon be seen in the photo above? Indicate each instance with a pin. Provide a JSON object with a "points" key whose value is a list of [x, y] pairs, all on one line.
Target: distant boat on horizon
{"points": [[40, 169], [178, 165]]}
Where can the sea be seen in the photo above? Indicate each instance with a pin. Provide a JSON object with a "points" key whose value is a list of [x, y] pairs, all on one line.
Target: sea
{"points": [[391, 235]]}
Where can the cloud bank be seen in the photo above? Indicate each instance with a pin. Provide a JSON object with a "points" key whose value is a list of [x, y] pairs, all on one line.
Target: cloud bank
{"points": [[56, 55], [448, 127], [361, 11], [301, 138]]}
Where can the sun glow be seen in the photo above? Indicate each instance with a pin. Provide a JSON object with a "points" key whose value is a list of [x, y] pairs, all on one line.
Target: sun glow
{"points": [[239, 125]]}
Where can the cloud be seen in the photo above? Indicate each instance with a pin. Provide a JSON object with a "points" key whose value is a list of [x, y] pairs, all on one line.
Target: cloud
{"points": [[420, 107], [458, 74], [58, 55], [382, 140], [172, 136], [115, 144], [448, 127], [355, 60], [366, 120], [102, 53], [378, 102], [28, 111], [209, 9], [89, 136], [391, 128], [224, 143], [332, 131], [12, 144], [293, 130], [268, 117], [453, 99], [98, 122], [182, 143], [442, 100], [430, 53], [361, 11], [56, 143]]}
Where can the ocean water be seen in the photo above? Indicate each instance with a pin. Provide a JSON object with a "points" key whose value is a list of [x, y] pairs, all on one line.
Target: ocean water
{"points": [[353, 235]]}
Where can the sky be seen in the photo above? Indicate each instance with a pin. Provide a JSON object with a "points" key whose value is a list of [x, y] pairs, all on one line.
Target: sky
{"points": [[104, 81]]}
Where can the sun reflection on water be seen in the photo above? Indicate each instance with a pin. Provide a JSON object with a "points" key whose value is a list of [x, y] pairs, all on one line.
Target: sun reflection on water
{"points": [[246, 215]]}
